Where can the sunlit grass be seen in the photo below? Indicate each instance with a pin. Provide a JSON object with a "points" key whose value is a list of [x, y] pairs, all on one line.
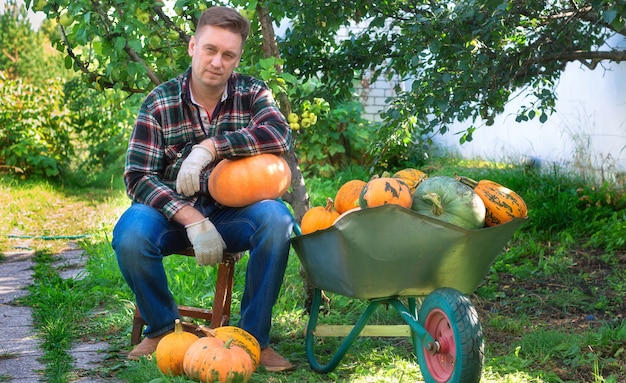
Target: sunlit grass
{"points": [[101, 306]]}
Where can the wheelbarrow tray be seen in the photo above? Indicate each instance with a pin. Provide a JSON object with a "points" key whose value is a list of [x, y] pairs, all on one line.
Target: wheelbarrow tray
{"points": [[391, 251]]}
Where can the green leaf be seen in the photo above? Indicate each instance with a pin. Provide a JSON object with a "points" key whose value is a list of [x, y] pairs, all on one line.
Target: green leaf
{"points": [[136, 45], [97, 47], [68, 62], [120, 43]]}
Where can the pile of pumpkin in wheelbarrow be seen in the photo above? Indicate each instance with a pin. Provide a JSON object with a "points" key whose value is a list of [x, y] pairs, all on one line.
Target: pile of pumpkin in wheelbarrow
{"points": [[417, 244], [459, 200]]}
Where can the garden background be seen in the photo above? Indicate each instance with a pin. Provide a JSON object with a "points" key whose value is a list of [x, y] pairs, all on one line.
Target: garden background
{"points": [[552, 306]]}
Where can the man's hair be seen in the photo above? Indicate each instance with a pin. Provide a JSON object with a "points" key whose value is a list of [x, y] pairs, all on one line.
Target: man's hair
{"points": [[227, 18]]}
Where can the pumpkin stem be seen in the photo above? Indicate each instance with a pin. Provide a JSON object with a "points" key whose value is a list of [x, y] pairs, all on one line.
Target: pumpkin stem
{"points": [[207, 331], [329, 204], [466, 181], [435, 199], [178, 326], [228, 343]]}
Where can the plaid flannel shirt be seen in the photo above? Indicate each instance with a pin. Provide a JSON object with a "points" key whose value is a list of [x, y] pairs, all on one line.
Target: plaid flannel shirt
{"points": [[168, 125]]}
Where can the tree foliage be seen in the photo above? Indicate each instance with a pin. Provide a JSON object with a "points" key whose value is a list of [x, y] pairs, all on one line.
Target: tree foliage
{"points": [[23, 52], [451, 61]]}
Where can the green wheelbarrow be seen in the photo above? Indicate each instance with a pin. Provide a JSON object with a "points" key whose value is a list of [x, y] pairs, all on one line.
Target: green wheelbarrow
{"points": [[390, 255]]}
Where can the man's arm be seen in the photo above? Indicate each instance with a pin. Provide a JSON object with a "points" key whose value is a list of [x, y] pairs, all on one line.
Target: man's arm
{"points": [[267, 131], [145, 165]]}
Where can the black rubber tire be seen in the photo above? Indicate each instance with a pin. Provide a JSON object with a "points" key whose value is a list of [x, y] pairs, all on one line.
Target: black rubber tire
{"points": [[451, 319]]}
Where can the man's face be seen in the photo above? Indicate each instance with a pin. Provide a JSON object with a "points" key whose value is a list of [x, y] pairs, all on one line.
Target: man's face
{"points": [[215, 52]]}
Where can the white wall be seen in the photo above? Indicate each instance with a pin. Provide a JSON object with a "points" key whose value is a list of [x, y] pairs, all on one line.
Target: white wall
{"points": [[587, 131]]}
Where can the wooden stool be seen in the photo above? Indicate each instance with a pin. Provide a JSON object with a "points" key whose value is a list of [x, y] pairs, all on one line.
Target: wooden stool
{"points": [[219, 315]]}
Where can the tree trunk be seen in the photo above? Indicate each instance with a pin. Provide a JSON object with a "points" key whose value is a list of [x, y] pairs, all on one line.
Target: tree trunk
{"points": [[298, 197]]}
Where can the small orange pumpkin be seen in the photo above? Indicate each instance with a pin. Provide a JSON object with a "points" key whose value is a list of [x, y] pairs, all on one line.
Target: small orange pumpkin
{"points": [[243, 339], [501, 203], [347, 197], [385, 190], [211, 359], [412, 177], [241, 182], [170, 351], [240, 337], [319, 218]]}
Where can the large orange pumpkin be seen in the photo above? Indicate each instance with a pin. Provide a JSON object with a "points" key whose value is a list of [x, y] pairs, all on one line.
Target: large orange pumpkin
{"points": [[501, 203], [385, 190], [211, 359], [241, 182], [170, 351], [347, 196], [319, 218]]}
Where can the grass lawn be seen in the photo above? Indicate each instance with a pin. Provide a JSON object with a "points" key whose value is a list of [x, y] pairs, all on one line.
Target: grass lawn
{"points": [[551, 307]]}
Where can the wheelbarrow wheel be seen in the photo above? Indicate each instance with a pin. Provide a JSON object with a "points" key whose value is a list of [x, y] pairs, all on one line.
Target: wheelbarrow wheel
{"points": [[457, 354]]}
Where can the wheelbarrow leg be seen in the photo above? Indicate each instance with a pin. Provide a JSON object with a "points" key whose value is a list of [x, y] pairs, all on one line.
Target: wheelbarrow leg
{"points": [[413, 311], [345, 344], [419, 335]]}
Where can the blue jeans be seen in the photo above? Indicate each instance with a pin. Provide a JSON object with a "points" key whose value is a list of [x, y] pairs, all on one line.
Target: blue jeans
{"points": [[143, 236]]}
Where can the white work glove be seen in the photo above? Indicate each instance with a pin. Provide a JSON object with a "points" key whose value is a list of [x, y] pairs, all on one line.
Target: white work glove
{"points": [[188, 179], [207, 242]]}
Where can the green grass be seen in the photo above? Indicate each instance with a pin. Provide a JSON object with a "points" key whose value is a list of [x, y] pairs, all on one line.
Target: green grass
{"points": [[533, 304]]}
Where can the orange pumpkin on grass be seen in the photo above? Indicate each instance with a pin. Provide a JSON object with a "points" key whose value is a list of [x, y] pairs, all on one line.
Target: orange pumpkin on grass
{"points": [[240, 337], [211, 359], [170, 351]]}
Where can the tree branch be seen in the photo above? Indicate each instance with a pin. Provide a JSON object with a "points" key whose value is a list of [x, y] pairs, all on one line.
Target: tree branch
{"points": [[12, 58], [135, 57], [588, 58], [588, 14], [159, 11], [93, 76], [70, 52]]}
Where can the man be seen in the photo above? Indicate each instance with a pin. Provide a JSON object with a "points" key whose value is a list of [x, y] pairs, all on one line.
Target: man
{"points": [[184, 127]]}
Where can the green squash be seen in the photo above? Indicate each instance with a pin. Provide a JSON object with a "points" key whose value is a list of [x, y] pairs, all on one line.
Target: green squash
{"points": [[449, 200]]}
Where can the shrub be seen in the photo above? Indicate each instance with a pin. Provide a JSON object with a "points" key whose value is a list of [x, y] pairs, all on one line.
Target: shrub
{"points": [[35, 134], [102, 122]]}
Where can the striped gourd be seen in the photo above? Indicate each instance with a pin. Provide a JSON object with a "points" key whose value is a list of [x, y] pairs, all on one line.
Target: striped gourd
{"points": [[502, 204], [412, 177]]}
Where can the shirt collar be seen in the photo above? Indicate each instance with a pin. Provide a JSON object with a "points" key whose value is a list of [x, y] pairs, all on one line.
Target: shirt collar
{"points": [[224, 95], [229, 87]]}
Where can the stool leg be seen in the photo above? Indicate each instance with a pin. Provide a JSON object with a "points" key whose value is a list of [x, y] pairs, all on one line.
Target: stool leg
{"points": [[220, 313], [223, 294], [138, 323]]}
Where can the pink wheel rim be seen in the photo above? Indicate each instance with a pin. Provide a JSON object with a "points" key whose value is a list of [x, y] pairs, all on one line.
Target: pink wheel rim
{"points": [[441, 364]]}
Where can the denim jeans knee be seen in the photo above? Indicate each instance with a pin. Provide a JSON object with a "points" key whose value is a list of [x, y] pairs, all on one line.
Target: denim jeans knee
{"points": [[139, 240]]}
